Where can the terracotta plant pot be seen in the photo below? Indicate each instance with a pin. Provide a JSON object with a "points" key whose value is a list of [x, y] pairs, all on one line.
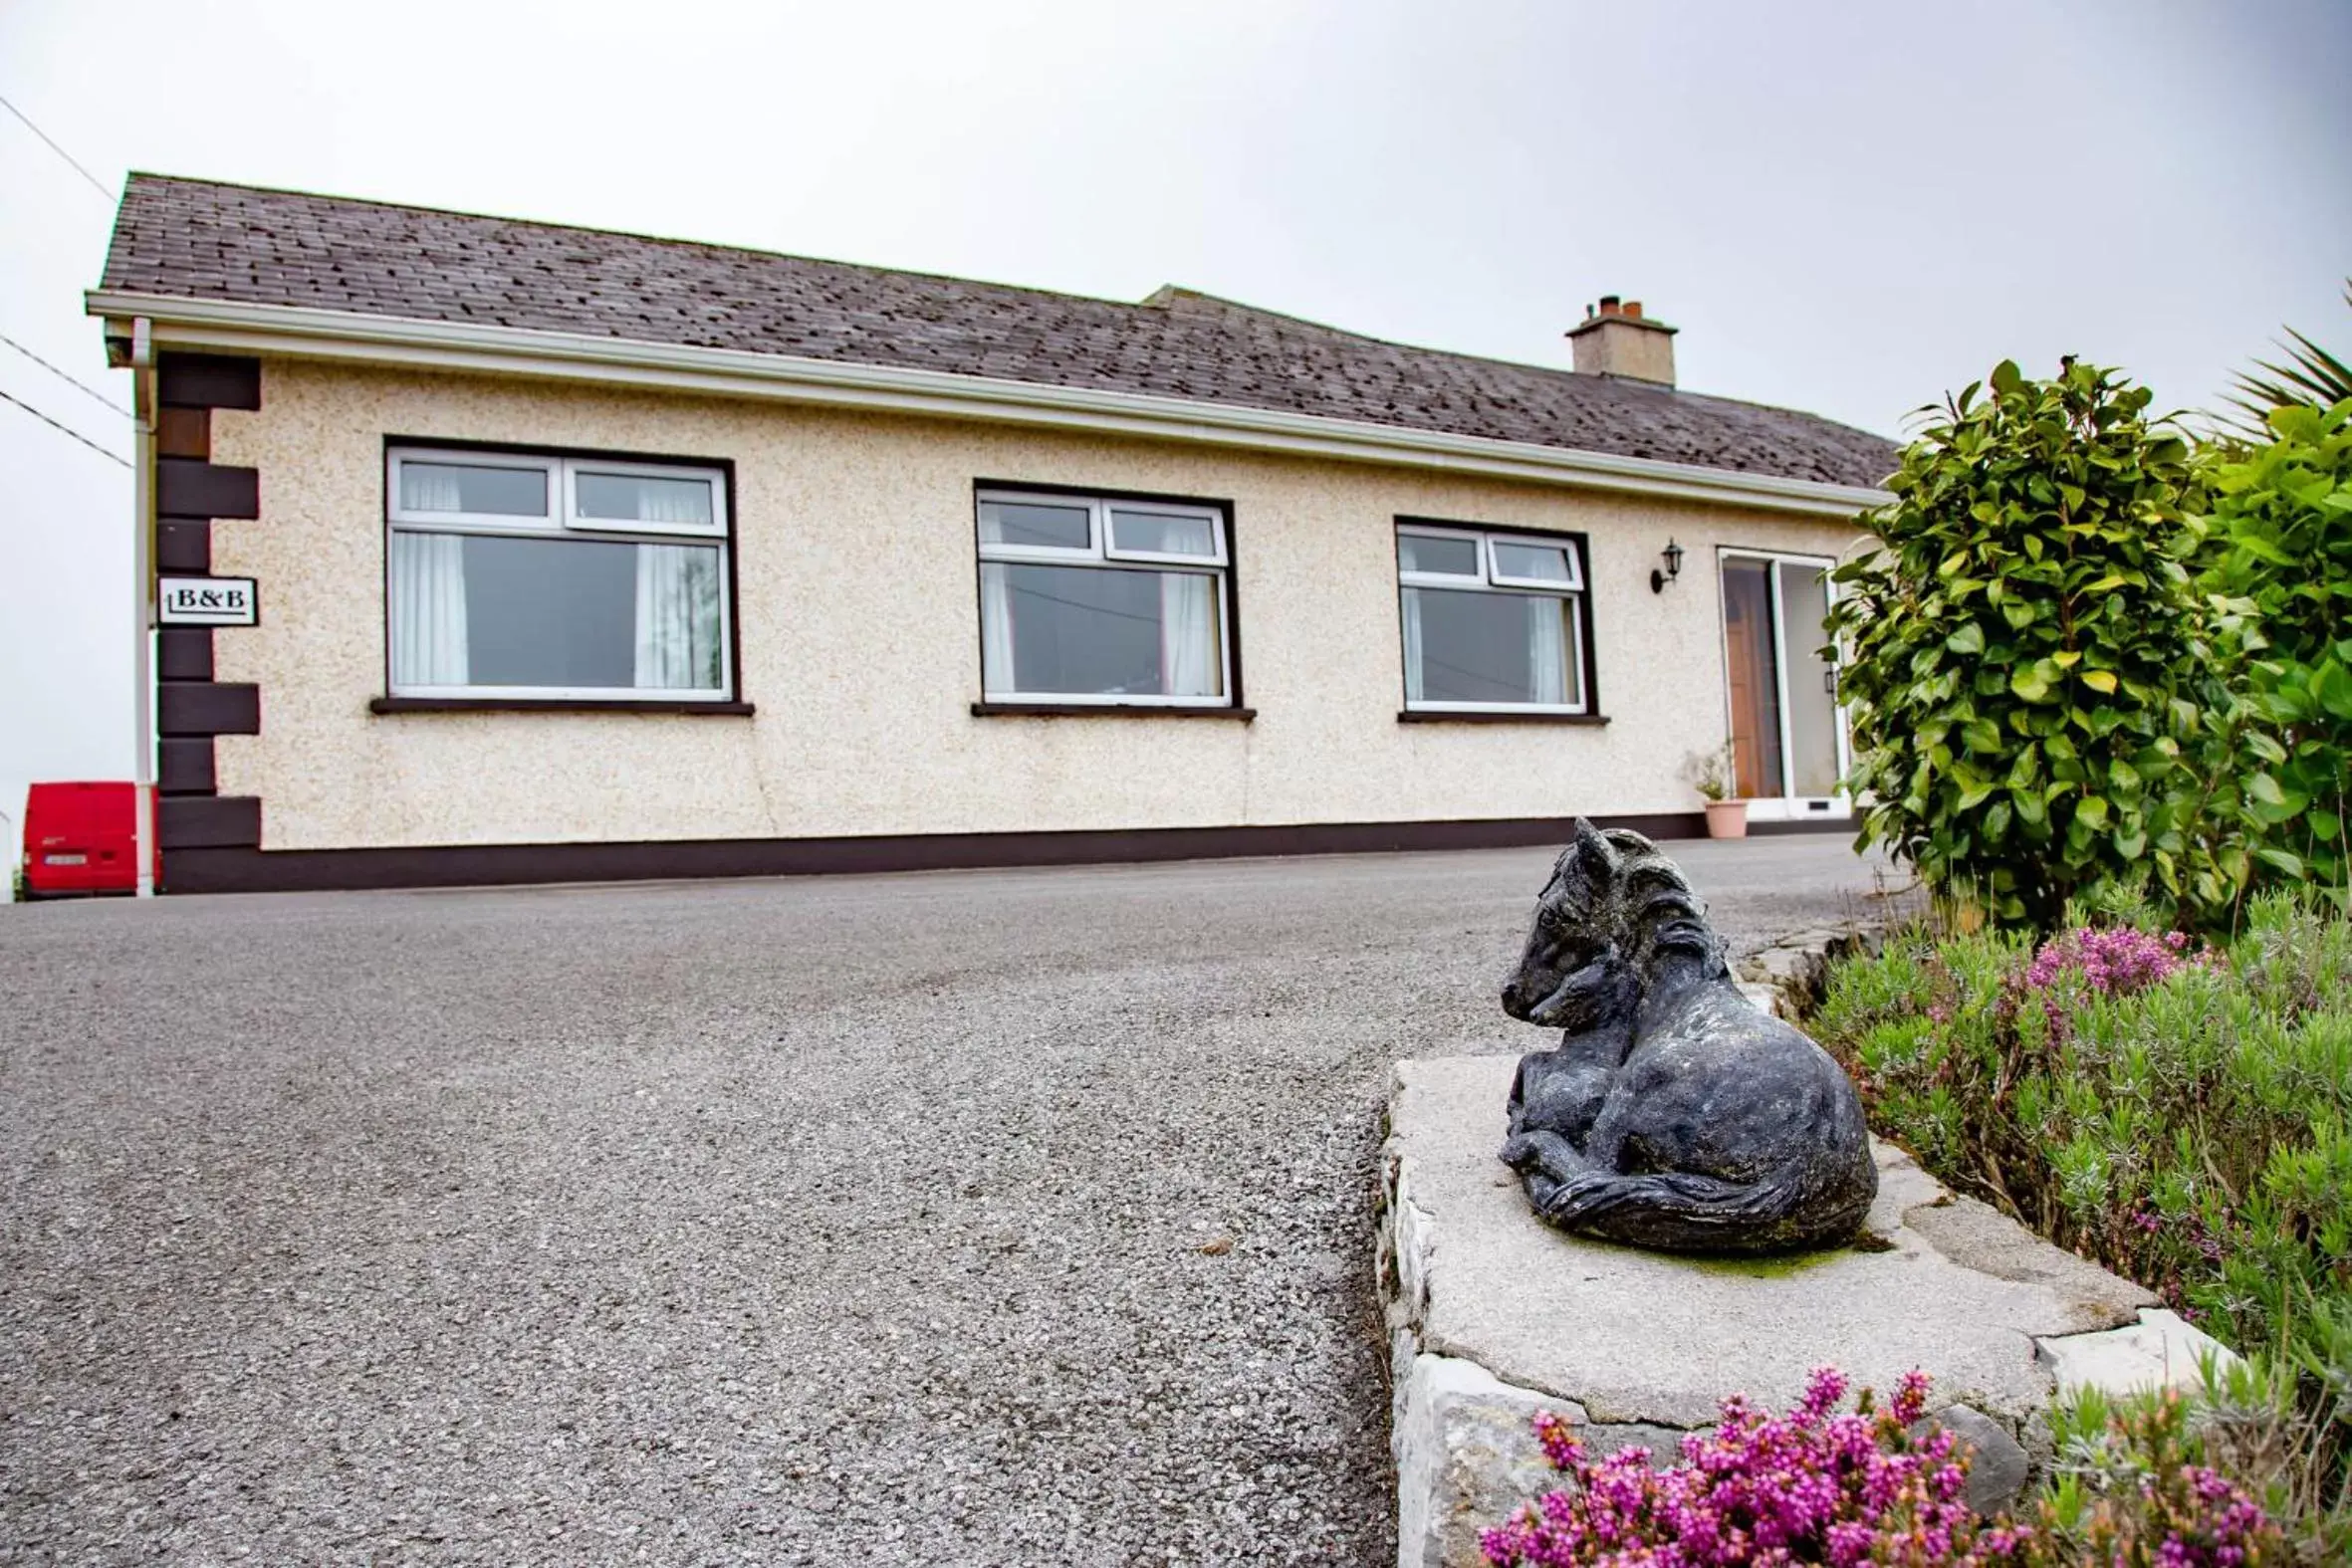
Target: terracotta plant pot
{"points": [[1727, 819]]}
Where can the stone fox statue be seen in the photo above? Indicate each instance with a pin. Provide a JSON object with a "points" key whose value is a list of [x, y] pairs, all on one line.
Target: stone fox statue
{"points": [[1675, 1114]]}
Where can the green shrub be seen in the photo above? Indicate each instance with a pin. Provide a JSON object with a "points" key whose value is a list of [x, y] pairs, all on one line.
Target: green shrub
{"points": [[2280, 523], [2017, 649], [2192, 1131]]}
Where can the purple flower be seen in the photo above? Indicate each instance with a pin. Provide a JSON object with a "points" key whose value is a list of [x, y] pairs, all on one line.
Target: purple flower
{"points": [[2110, 963]]}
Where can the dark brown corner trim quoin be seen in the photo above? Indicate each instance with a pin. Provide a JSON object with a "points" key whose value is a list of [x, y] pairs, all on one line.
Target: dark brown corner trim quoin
{"points": [[208, 381], [459, 866], [185, 486], [209, 821], [191, 708]]}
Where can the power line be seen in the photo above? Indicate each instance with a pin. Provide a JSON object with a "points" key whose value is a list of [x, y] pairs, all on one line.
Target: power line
{"points": [[63, 377], [95, 183], [66, 429]]}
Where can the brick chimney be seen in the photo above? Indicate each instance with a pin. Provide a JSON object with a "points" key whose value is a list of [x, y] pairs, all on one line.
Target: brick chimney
{"points": [[1615, 339]]}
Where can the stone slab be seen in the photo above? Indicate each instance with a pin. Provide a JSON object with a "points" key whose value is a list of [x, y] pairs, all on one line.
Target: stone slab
{"points": [[1466, 1455], [2161, 1350], [1643, 1337]]}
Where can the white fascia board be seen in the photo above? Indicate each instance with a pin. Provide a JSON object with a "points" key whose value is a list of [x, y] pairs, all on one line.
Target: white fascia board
{"points": [[732, 373]]}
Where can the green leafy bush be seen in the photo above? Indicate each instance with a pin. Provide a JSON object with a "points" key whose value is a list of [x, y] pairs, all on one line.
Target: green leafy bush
{"points": [[2280, 524], [2191, 1129], [2018, 650]]}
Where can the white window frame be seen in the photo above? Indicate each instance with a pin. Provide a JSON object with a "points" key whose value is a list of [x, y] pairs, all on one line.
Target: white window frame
{"points": [[1496, 576], [1098, 553], [543, 523], [559, 523], [562, 514], [1487, 579], [574, 467]]}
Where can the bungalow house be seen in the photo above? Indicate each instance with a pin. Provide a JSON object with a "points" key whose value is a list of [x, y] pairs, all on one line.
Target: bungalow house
{"points": [[583, 555]]}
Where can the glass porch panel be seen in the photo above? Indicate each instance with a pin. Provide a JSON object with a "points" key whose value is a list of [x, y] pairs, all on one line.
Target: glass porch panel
{"points": [[1812, 699], [1752, 676]]}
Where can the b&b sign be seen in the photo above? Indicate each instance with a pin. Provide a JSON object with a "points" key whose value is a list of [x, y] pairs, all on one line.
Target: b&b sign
{"points": [[207, 601]]}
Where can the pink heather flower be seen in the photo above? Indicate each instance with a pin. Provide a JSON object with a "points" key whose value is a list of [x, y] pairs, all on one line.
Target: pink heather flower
{"points": [[2111, 963], [1816, 1484]]}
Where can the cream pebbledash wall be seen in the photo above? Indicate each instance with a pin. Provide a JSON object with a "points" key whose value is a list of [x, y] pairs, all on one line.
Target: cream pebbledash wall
{"points": [[859, 607]]}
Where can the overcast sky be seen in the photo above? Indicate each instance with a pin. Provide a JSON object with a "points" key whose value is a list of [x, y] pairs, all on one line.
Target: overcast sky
{"points": [[1847, 209]]}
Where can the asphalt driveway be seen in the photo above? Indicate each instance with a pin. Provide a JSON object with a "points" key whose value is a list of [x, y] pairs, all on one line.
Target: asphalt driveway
{"points": [[982, 1218]]}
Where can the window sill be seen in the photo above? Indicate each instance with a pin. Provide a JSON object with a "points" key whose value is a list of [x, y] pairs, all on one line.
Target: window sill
{"points": [[1103, 710], [389, 704], [1439, 715]]}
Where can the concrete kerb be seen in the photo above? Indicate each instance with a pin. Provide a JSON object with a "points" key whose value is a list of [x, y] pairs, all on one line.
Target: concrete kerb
{"points": [[1492, 1316]]}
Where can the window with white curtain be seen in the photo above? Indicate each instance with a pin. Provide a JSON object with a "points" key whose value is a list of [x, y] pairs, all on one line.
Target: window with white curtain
{"points": [[1090, 599], [516, 575], [1493, 622]]}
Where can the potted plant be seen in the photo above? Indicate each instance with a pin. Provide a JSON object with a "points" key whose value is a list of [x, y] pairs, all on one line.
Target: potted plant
{"points": [[1716, 775]]}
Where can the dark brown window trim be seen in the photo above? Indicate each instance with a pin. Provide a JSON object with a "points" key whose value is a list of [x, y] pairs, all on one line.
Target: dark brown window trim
{"points": [[1102, 710], [391, 705], [1432, 716]]}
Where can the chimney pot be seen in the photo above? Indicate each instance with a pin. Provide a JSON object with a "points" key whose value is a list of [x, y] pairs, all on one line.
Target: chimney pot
{"points": [[1616, 339]]}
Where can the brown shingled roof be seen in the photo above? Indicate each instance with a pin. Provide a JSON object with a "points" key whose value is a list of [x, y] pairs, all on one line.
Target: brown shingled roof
{"points": [[195, 239]]}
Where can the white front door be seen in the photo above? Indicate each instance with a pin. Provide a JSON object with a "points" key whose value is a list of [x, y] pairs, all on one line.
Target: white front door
{"points": [[1789, 740]]}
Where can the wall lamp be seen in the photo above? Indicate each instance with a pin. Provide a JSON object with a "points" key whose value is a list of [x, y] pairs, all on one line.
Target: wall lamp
{"points": [[1673, 555]]}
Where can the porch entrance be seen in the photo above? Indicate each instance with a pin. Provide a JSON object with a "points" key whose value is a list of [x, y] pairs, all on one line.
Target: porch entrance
{"points": [[1789, 740]]}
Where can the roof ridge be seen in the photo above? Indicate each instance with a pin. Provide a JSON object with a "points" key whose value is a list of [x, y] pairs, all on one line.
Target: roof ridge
{"points": [[1173, 292]]}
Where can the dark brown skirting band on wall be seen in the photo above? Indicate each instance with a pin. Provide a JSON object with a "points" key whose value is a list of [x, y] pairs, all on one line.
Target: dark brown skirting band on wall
{"points": [[295, 871], [1804, 825]]}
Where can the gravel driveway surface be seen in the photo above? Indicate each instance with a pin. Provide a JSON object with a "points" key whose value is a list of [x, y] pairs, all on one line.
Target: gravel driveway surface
{"points": [[976, 1218]]}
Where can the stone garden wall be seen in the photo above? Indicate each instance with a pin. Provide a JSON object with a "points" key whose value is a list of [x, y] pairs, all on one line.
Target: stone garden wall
{"points": [[1493, 1315]]}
